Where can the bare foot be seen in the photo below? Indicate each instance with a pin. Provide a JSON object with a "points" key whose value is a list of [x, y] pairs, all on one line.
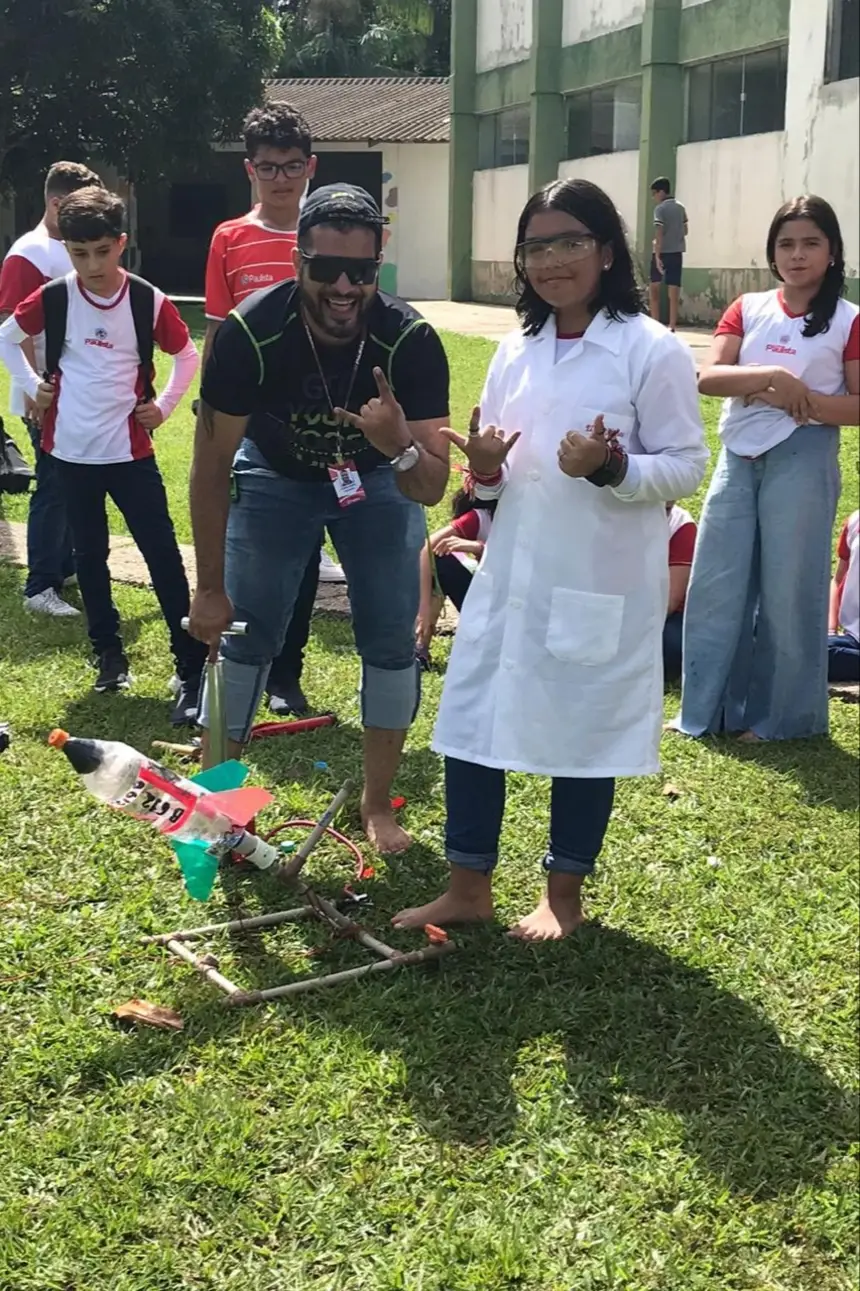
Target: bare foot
{"points": [[384, 833], [469, 899], [750, 737], [559, 913]]}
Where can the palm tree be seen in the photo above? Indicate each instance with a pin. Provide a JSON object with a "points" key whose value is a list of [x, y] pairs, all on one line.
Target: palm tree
{"points": [[365, 37]]}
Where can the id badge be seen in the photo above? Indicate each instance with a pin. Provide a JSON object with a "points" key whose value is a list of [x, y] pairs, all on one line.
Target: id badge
{"points": [[347, 483]]}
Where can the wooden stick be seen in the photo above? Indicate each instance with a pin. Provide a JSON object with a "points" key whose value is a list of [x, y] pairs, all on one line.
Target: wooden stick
{"points": [[334, 916], [187, 750], [291, 869], [234, 925], [335, 979], [211, 974]]}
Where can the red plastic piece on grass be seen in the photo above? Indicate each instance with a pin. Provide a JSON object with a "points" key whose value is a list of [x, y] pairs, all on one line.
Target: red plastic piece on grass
{"points": [[436, 936], [367, 872], [397, 804]]}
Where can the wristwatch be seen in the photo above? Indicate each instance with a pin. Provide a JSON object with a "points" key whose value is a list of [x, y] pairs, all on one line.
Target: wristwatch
{"points": [[406, 460]]}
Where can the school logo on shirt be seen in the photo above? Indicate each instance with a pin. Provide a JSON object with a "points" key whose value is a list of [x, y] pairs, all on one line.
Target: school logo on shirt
{"points": [[256, 279], [99, 339], [782, 348]]}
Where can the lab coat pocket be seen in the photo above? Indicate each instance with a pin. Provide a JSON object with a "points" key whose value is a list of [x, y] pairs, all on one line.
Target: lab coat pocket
{"points": [[475, 618], [584, 627]]}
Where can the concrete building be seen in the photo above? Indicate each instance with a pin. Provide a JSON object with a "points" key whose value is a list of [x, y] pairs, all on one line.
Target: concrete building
{"points": [[389, 134], [740, 104]]}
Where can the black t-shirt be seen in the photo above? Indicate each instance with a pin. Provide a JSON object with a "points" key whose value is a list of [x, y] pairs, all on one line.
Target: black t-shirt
{"points": [[262, 366]]}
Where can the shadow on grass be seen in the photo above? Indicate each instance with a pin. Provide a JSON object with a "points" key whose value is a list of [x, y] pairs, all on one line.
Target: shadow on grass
{"points": [[637, 1026], [826, 773]]}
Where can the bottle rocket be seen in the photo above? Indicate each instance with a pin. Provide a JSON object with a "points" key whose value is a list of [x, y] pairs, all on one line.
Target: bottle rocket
{"points": [[184, 812]]}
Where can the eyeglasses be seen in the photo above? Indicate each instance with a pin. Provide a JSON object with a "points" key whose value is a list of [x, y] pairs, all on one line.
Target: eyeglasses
{"points": [[271, 169], [327, 269], [536, 252]]}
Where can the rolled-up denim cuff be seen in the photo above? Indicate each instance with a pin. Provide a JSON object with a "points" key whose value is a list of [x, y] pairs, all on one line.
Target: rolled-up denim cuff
{"points": [[554, 863], [481, 864], [390, 696]]}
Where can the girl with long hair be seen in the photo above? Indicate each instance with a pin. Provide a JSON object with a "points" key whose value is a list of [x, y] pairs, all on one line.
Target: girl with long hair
{"points": [[788, 363], [589, 424]]}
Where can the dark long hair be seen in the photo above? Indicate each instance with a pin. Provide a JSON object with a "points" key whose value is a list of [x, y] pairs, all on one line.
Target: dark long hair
{"points": [[822, 308], [618, 293]]}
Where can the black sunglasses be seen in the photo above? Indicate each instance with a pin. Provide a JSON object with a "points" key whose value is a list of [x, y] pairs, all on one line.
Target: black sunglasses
{"points": [[361, 273]]}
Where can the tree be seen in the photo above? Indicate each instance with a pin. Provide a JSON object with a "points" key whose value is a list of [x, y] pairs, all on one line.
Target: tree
{"points": [[144, 85], [366, 37]]}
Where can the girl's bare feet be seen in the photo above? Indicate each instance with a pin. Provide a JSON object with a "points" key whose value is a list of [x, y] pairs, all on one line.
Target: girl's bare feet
{"points": [[750, 737], [559, 913], [384, 833], [469, 899]]}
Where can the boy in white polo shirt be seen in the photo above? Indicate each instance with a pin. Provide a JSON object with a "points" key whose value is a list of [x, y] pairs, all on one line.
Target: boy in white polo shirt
{"points": [[99, 412]]}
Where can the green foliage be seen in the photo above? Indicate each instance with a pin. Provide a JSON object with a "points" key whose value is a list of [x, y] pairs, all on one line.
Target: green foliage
{"points": [[141, 84], [366, 37]]}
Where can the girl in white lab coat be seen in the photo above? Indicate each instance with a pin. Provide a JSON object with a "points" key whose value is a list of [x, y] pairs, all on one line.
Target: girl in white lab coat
{"points": [[590, 424]]}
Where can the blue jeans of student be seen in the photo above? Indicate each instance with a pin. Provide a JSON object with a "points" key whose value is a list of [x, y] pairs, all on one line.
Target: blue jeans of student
{"points": [[475, 806], [755, 622], [49, 539], [275, 527], [843, 652]]}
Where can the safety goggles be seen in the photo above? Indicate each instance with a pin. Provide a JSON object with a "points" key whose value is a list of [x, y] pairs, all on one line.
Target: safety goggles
{"points": [[328, 269], [537, 252]]}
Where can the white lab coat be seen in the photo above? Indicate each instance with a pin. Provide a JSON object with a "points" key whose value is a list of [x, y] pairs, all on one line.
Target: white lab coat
{"points": [[557, 664]]}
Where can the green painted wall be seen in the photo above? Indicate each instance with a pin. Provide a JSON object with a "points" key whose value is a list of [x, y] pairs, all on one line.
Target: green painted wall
{"points": [[608, 58], [730, 26], [503, 87]]}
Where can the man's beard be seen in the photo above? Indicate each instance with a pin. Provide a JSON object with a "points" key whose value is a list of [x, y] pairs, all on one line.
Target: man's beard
{"points": [[335, 329]]}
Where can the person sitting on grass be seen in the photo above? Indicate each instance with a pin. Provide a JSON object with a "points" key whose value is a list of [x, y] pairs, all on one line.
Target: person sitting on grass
{"points": [[99, 413], [844, 641], [454, 552], [682, 545], [556, 667]]}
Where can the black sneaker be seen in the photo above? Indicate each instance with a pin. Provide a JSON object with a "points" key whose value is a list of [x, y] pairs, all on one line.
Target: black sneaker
{"points": [[113, 672], [287, 699], [186, 703]]}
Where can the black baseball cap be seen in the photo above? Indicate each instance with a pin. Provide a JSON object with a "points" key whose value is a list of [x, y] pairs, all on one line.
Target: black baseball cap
{"points": [[345, 202]]}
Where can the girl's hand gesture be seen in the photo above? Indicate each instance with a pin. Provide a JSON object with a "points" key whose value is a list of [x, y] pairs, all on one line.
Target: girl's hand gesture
{"points": [[581, 455], [788, 392], [485, 449]]}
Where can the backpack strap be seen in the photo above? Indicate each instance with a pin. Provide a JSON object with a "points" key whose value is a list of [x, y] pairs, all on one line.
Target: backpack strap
{"points": [[55, 305], [141, 297]]}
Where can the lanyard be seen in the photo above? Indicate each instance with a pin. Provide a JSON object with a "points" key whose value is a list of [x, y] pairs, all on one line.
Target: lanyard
{"points": [[359, 356]]}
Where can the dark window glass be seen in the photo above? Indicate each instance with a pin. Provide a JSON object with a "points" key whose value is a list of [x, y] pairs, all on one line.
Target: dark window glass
{"points": [[486, 142], [726, 98], [764, 91], [699, 103], [604, 120], [579, 126], [848, 60], [513, 137]]}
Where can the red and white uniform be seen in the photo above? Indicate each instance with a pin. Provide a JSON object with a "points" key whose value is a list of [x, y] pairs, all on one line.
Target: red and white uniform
{"points": [[92, 418], [849, 549], [772, 337], [36, 258], [245, 256], [474, 526], [682, 539]]}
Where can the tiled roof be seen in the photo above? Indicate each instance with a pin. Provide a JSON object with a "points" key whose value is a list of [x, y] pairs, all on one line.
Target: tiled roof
{"points": [[381, 109]]}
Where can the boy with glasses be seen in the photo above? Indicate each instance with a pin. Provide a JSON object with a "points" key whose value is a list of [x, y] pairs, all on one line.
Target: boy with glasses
{"points": [[247, 255]]}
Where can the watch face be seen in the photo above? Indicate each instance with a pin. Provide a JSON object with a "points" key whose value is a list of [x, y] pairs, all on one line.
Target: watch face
{"points": [[407, 459]]}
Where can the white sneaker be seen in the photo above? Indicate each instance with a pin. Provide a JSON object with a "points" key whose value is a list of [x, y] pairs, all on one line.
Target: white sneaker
{"points": [[330, 571], [50, 602]]}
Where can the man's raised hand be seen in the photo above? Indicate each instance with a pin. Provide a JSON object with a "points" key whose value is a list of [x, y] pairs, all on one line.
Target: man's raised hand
{"points": [[381, 420], [487, 449]]}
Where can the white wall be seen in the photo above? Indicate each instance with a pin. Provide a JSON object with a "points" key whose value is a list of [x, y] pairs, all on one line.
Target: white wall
{"points": [[421, 176], [617, 173], [731, 188], [499, 198], [822, 124], [585, 19], [504, 32]]}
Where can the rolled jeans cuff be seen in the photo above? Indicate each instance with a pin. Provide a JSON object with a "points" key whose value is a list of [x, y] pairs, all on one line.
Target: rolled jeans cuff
{"points": [[481, 864], [555, 863], [390, 696]]}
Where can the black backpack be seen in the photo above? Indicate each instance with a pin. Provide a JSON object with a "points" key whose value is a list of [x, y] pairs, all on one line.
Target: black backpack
{"points": [[15, 475], [141, 294]]}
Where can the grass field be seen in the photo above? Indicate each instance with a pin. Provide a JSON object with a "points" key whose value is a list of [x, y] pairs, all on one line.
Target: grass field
{"points": [[664, 1103]]}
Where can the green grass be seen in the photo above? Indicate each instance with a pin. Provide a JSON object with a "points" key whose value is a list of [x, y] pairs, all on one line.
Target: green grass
{"points": [[665, 1103]]}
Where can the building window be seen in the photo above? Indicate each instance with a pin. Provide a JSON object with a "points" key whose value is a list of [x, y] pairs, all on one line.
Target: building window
{"points": [[737, 96], [843, 46], [604, 120], [503, 139]]}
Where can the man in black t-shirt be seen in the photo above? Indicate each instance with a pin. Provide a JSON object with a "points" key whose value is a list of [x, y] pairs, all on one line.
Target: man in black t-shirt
{"points": [[335, 397]]}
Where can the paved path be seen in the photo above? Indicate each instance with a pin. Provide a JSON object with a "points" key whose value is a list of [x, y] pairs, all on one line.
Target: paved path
{"points": [[495, 321]]}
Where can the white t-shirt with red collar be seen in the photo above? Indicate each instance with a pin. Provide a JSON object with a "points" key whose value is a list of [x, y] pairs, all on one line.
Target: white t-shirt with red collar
{"points": [[772, 337], [849, 549], [99, 385], [36, 258]]}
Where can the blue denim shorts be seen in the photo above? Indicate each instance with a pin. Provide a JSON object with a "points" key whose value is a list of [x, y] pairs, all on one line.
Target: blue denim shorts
{"points": [[275, 527]]}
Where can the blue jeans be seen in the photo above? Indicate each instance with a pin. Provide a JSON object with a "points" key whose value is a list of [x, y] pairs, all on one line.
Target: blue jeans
{"points": [[475, 805], [673, 639], [50, 560], [275, 527], [755, 630], [843, 658]]}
